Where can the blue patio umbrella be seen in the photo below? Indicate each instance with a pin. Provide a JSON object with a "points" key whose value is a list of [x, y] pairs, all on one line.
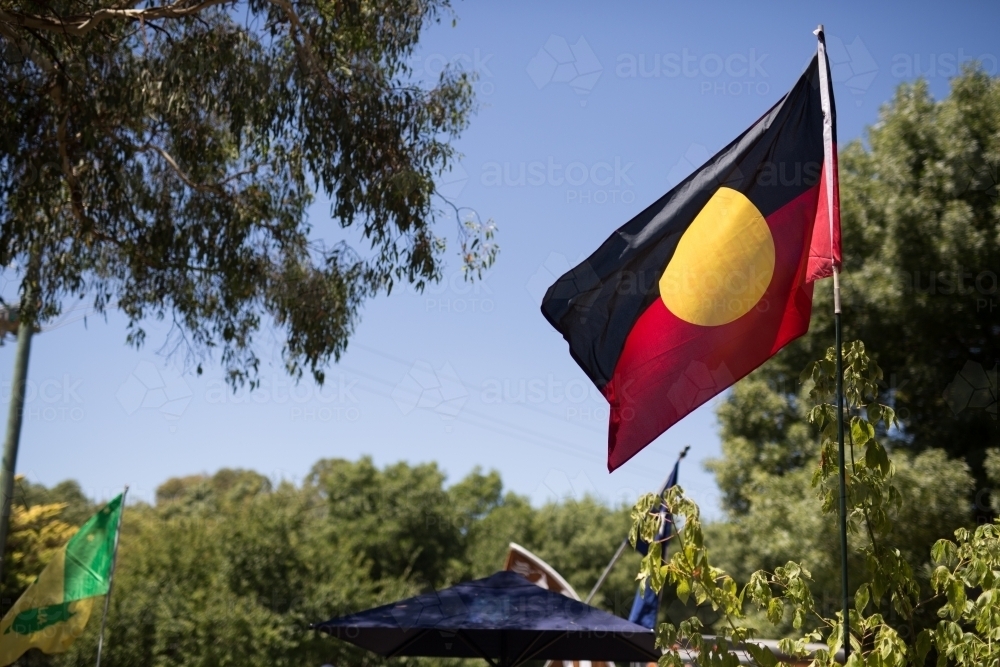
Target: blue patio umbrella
{"points": [[504, 619]]}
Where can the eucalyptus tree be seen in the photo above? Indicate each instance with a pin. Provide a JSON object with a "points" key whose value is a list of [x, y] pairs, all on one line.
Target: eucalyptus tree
{"points": [[161, 157]]}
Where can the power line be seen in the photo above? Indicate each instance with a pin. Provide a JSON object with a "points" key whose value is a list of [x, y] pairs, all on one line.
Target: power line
{"points": [[474, 388], [546, 440]]}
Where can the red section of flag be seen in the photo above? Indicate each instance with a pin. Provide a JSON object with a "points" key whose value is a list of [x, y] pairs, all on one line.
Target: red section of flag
{"points": [[824, 254], [670, 367]]}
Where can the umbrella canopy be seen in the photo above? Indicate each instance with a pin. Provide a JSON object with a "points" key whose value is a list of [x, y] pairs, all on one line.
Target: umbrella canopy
{"points": [[503, 619]]}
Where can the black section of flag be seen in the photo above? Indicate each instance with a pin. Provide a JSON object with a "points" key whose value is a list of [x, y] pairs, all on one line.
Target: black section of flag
{"points": [[596, 304]]}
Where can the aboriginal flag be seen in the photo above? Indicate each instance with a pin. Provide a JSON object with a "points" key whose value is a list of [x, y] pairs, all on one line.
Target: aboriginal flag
{"points": [[713, 278]]}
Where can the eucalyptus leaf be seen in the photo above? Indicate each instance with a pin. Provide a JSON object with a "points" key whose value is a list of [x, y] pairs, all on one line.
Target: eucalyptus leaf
{"points": [[175, 157]]}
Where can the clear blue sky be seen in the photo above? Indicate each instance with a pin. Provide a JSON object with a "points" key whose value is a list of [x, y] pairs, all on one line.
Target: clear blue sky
{"points": [[602, 108]]}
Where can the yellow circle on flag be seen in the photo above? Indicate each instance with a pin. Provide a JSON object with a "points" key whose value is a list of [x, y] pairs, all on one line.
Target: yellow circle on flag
{"points": [[723, 262]]}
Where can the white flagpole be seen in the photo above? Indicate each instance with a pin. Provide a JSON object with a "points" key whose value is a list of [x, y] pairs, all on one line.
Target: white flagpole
{"points": [[828, 148], [111, 577]]}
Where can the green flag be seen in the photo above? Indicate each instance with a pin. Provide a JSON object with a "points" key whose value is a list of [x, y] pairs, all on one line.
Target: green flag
{"points": [[55, 609]]}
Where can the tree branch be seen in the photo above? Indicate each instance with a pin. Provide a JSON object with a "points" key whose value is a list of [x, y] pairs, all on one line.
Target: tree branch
{"points": [[25, 49], [83, 23], [213, 188]]}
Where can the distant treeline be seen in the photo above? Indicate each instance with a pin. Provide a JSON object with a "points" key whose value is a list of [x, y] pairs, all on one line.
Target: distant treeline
{"points": [[229, 569]]}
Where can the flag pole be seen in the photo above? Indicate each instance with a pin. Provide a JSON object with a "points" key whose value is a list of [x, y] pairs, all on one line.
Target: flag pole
{"points": [[624, 544], [26, 327], [825, 100], [111, 577], [843, 475]]}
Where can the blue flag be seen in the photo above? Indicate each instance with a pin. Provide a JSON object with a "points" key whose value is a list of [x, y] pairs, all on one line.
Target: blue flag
{"points": [[647, 602]]}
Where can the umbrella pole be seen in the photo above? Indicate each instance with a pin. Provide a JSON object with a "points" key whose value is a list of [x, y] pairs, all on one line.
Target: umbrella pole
{"points": [[406, 644], [480, 652], [530, 652]]}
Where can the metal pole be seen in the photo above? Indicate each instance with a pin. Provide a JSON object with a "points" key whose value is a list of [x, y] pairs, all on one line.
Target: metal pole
{"points": [[826, 100], [111, 577], [14, 418], [624, 544], [843, 474], [607, 570]]}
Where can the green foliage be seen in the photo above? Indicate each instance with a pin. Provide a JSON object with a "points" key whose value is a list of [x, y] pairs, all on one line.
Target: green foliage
{"points": [[992, 465], [967, 576], [920, 223], [919, 204], [42, 521], [578, 538], [232, 568], [765, 436], [235, 584], [78, 508], [425, 527], [479, 250], [887, 628], [165, 157], [922, 240], [781, 522]]}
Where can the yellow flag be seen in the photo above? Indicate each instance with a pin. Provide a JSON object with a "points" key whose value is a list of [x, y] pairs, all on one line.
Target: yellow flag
{"points": [[55, 609], [41, 618]]}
